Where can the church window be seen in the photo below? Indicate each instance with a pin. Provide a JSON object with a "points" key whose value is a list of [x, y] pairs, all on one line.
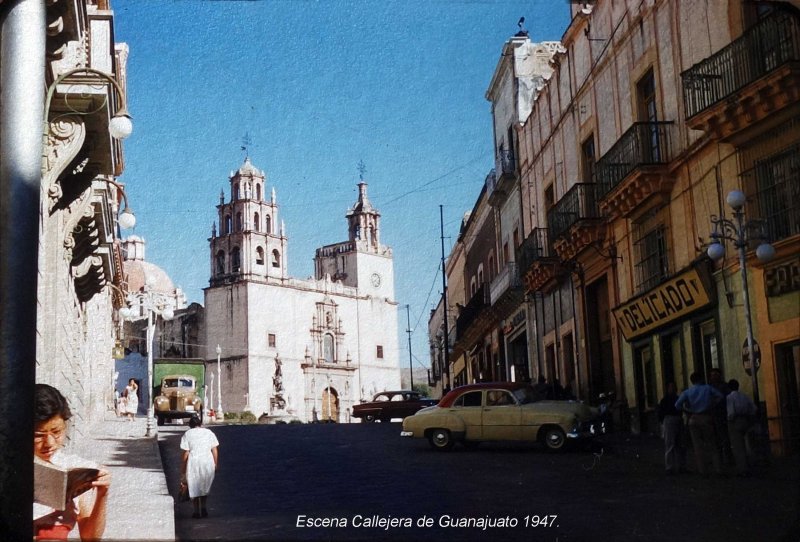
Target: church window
{"points": [[259, 256], [220, 262], [256, 222], [239, 223], [268, 224], [271, 341], [236, 191], [258, 191], [235, 260], [328, 349], [472, 287], [228, 224], [379, 353], [276, 258], [480, 274]]}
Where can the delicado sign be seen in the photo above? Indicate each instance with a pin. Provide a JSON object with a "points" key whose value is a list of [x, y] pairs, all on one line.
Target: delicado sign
{"points": [[669, 301]]}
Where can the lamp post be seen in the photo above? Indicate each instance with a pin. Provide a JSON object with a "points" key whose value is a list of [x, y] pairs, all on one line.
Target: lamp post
{"points": [[218, 414], [155, 304], [740, 232]]}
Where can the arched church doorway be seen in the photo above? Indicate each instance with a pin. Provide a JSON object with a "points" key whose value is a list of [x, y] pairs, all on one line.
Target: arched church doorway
{"points": [[330, 405]]}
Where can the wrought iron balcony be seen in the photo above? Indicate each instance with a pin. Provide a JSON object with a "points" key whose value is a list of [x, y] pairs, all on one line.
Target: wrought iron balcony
{"points": [[776, 180], [503, 177], [643, 144], [577, 204], [771, 44], [507, 279], [477, 303], [536, 247]]}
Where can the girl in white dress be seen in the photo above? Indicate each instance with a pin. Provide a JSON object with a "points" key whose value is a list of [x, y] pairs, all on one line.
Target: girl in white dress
{"points": [[131, 399], [199, 464]]}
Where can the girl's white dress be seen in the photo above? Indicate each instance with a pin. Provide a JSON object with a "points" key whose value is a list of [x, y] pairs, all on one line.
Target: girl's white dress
{"points": [[131, 400], [200, 468]]}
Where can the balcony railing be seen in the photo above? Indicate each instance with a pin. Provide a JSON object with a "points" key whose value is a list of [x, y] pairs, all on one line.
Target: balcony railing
{"points": [[507, 279], [507, 163], [769, 44], [535, 247], [577, 204], [777, 198], [643, 144], [477, 303]]}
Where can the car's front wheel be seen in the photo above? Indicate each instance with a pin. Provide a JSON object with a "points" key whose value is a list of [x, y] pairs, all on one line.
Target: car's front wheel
{"points": [[369, 418], [554, 438], [441, 439], [160, 420]]}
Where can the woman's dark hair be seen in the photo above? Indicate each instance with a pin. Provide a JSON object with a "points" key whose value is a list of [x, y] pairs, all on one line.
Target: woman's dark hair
{"points": [[194, 421], [48, 402]]}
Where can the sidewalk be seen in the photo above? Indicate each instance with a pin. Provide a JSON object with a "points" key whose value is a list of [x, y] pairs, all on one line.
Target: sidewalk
{"points": [[139, 504]]}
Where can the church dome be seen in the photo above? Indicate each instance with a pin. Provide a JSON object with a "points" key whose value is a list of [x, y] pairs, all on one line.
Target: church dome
{"points": [[138, 271], [248, 169]]}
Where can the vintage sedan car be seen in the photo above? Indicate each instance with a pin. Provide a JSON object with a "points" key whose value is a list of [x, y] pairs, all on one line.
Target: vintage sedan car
{"points": [[179, 398], [503, 411], [391, 404]]}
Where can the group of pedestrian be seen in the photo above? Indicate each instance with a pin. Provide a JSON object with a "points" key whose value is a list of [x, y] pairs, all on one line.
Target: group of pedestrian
{"points": [[127, 404], [86, 507], [719, 419]]}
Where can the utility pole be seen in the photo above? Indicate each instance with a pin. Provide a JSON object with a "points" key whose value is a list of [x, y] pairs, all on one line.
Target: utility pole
{"points": [[444, 302], [408, 330]]}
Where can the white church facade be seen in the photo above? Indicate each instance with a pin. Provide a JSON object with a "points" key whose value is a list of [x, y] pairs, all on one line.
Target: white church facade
{"points": [[307, 348]]}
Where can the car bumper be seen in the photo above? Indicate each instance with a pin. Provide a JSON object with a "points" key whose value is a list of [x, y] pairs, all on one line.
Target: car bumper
{"points": [[406, 433]]}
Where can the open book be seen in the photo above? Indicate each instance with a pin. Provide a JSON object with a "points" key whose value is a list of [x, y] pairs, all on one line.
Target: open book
{"points": [[55, 486]]}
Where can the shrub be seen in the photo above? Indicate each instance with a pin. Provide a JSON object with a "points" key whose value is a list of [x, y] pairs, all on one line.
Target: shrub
{"points": [[231, 415], [248, 417]]}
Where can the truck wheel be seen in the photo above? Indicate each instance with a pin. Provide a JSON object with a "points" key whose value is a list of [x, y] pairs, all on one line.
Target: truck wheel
{"points": [[160, 420], [441, 439]]}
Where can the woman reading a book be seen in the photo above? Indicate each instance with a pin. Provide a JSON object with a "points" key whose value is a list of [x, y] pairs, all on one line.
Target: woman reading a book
{"points": [[87, 505], [199, 464]]}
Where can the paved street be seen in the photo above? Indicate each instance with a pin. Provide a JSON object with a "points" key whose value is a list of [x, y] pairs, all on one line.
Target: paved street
{"points": [[272, 476]]}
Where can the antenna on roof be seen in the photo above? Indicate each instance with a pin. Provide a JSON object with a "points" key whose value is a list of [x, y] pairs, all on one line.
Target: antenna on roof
{"points": [[522, 31]]}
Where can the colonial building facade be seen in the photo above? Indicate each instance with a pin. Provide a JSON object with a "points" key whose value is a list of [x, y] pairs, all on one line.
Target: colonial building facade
{"points": [[305, 348], [653, 113]]}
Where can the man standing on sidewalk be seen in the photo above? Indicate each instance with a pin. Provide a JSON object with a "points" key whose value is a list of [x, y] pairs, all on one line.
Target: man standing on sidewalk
{"points": [[741, 416], [699, 400]]}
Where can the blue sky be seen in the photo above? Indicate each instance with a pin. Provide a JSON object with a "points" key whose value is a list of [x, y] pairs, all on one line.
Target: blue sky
{"points": [[318, 86]]}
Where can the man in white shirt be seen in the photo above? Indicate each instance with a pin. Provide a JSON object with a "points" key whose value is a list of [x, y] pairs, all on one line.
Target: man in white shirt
{"points": [[741, 414]]}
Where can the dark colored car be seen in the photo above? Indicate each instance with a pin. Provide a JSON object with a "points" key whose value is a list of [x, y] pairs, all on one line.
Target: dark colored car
{"points": [[387, 405]]}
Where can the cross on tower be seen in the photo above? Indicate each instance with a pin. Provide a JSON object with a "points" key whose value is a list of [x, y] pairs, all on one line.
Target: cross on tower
{"points": [[246, 142], [361, 169]]}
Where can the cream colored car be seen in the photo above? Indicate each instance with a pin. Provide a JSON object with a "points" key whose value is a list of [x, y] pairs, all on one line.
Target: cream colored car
{"points": [[503, 411]]}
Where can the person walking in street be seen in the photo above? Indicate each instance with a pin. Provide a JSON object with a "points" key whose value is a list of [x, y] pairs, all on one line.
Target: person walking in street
{"points": [[131, 399], [699, 401], [88, 510], [741, 414], [671, 419], [200, 458]]}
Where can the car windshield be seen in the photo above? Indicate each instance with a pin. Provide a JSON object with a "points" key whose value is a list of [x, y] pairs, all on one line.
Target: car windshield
{"points": [[526, 395], [178, 383]]}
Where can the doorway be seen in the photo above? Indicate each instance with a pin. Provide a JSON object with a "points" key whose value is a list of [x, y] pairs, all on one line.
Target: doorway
{"points": [[645, 381], [330, 405], [787, 360], [707, 348]]}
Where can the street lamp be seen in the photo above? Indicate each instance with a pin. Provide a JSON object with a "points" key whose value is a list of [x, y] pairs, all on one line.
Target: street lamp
{"points": [[156, 304], [120, 126], [740, 232], [218, 414]]}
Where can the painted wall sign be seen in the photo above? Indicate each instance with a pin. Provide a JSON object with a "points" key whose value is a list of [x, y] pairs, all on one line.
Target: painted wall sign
{"points": [[783, 278], [670, 301]]}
